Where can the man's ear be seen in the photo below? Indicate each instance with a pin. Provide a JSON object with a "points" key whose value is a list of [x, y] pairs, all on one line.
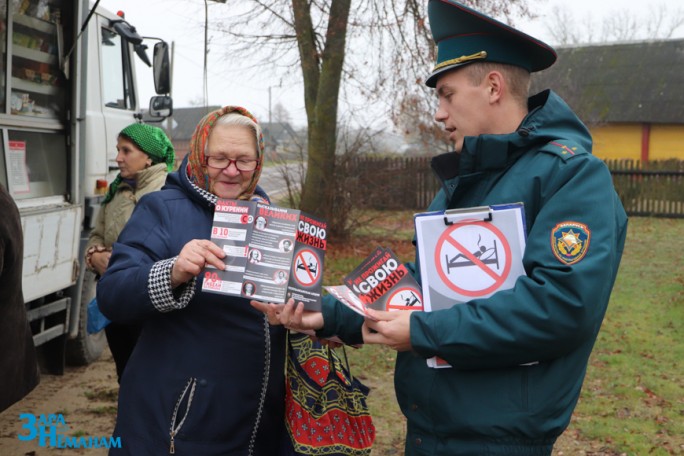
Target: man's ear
{"points": [[495, 84]]}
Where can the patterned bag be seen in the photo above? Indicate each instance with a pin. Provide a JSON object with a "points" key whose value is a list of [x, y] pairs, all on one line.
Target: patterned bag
{"points": [[325, 407]]}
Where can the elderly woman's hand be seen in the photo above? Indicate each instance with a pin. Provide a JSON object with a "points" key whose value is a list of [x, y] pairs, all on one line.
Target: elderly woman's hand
{"points": [[100, 261], [194, 256], [290, 315]]}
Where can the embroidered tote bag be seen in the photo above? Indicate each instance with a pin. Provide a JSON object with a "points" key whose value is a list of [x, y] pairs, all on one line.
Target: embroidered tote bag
{"points": [[325, 406]]}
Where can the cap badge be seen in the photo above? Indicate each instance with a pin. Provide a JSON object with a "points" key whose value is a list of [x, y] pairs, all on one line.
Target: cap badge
{"points": [[462, 59]]}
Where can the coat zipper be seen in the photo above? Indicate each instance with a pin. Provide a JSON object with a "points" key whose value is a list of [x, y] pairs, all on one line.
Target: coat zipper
{"points": [[264, 386], [190, 386]]}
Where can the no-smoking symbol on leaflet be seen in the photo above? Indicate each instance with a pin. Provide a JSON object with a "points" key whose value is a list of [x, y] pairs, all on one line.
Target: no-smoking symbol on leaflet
{"points": [[307, 267], [473, 258], [405, 299]]}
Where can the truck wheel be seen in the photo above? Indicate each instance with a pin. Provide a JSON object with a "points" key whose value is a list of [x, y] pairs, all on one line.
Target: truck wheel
{"points": [[85, 348]]}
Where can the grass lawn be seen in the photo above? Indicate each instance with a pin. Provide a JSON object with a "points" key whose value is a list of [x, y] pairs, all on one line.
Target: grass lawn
{"points": [[632, 402]]}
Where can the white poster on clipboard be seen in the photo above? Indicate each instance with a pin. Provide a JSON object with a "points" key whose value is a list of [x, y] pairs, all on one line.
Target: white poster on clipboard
{"points": [[468, 254]]}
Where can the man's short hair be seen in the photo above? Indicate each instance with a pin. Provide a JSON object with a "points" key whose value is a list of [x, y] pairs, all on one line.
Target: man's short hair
{"points": [[518, 78]]}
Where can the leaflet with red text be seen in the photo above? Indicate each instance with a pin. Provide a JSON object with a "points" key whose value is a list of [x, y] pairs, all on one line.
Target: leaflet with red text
{"points": [[307, 262], [380, 282], [272, 253]]}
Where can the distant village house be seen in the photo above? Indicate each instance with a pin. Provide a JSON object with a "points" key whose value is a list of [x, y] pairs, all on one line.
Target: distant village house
{"points": [[630, 95]]}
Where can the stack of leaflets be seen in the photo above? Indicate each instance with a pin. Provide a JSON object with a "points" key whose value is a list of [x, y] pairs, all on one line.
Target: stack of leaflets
{"points": [[380, 282], [468, 254], [272, 253]]}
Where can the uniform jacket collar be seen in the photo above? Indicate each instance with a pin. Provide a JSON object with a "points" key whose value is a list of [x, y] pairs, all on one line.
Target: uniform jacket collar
{"points": [[549, 118]]}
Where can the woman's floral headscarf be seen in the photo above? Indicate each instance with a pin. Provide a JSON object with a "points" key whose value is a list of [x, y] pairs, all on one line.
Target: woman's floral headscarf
{"points": [[197, 169]]}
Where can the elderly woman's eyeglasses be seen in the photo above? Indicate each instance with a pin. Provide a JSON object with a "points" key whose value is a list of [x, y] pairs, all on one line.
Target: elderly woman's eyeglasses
{"points": [[242, 164]]}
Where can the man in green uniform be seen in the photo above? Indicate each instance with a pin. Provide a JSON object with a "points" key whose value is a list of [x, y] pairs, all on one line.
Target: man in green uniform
{"points": [[518, 357]]}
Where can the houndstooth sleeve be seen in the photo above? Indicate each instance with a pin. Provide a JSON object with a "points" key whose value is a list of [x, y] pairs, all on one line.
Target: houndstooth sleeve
{"points": [[161, 293]]}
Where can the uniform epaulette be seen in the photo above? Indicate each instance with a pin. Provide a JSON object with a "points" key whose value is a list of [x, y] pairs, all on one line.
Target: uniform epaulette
{"points": [[563, 148]]}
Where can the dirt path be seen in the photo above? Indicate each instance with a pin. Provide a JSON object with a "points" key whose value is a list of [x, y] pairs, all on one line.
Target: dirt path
{"points": [[84, 396]]}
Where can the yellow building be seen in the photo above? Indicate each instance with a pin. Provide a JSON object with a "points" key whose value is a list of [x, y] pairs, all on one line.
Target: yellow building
{"points": [[630, 95]]}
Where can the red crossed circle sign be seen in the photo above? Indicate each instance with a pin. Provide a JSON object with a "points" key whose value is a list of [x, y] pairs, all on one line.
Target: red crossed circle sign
{"points": [[479, 243], [307, 267], [405, 298]]}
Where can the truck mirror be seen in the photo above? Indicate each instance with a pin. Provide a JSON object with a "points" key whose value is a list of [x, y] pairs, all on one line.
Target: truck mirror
{"points": [[161, 106], [161, 68], [127, 31]]}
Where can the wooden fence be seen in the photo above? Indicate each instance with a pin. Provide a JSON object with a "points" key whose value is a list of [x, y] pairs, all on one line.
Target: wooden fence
{"points": [[655, 189], [390, 183]]}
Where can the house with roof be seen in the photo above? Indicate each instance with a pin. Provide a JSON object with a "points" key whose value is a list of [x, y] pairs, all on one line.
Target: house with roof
{"points": [[282, 142], [181, 125], [630, 95]]}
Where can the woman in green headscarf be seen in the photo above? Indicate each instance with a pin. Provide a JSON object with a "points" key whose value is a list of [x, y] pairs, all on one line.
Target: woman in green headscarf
{"points": [[145, 156]]}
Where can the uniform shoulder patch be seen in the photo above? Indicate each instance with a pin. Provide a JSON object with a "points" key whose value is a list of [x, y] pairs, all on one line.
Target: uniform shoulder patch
{"points": [[570, 241], [563, 148]]}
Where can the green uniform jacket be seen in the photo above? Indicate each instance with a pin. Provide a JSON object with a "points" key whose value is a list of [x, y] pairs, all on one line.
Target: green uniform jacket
{"points": [[490, 402]]}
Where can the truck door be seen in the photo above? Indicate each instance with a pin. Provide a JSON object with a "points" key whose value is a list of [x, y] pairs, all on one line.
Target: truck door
{"points": [[112, 99]]}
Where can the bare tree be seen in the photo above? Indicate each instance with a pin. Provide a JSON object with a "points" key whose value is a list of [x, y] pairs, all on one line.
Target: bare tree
{"points": [[281, 114], [622, 25], [663, 22], [380, 50]]}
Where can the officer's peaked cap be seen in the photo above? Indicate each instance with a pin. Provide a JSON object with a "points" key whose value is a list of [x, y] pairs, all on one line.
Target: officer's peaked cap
{"points": [[464, 35]]}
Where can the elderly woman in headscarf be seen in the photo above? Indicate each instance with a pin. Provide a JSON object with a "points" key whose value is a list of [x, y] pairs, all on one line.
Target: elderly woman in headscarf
{"points": [[207, 374], [145, 155]]}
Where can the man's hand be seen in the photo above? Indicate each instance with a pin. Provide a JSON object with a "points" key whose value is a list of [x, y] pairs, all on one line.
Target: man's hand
{"points": [[194, 256], [389, 328], [290, 315]]}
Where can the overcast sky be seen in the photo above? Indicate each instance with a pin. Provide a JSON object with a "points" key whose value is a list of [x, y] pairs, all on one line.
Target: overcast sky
{"points": [[182, 21]]}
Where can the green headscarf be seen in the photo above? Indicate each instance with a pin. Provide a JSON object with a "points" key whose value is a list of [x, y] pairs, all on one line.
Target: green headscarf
{"points": [[153, 142]]}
